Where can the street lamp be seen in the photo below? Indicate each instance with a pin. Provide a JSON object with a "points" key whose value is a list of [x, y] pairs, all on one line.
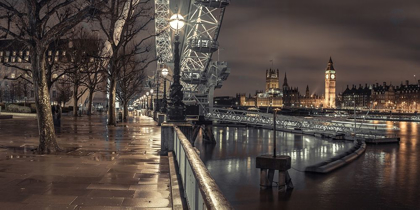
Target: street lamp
{"points": [[157, 108], [151, 99], [165, 73], [147, 100], [176, 110]]}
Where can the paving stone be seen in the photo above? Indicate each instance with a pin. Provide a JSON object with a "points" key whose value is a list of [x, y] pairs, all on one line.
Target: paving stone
{"points": [[113, 167], [146, 202], [112, 193], [96, 201], [50, 199]]}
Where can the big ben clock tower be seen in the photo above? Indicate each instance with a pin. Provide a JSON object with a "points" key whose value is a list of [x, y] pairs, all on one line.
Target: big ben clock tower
{"points": [[330, 78]]}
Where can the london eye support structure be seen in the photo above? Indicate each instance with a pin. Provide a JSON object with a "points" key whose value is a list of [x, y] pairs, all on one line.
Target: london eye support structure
{"points": [[200, 75]]}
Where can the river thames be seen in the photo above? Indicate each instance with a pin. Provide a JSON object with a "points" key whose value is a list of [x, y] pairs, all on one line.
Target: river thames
{"points": [[384, 177]]}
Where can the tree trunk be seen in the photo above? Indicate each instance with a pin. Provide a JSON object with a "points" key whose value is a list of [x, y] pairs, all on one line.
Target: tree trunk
{"points": [[111, 102], [47, 138], [75, 92], [125, 110], [90, 102]]}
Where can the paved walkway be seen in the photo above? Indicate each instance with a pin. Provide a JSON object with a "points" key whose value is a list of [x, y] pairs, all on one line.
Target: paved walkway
{"points": [[113, 167]]}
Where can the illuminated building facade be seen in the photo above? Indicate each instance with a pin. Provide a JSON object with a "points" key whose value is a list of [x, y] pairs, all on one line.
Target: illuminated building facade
{"points": [[286, 97], [383, 97], [16, 84]]}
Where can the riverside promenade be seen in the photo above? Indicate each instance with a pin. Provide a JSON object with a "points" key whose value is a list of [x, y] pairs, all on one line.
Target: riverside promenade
{"points": [[101, 168]]}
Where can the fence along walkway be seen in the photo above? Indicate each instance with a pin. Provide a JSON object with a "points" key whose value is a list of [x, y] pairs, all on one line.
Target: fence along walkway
{"points": [[201, 190], [316, 124]]}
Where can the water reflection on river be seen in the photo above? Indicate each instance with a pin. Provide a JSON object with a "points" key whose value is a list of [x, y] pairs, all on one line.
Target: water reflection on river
{"points": [[385, 177]]}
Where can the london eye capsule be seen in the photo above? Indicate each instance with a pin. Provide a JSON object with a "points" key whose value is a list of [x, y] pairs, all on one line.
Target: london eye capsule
{"points": [[204, 45]]}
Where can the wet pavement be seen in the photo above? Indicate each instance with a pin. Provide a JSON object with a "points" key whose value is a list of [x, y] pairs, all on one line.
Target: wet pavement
{"points": [[111, 168]]}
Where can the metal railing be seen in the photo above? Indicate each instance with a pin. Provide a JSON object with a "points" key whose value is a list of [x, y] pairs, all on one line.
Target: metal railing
{"points": [[201, 191], [291, 122]]}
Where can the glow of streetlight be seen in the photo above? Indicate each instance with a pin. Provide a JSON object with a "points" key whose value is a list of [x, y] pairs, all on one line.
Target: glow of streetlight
{"points": [[147, 93], [177, 22], [165, 72], [151, 91]]}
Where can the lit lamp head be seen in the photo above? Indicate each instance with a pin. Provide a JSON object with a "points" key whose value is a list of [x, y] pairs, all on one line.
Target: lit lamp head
{"points": [[151, 91], [165, 72], [147, 93], [177, 22]]}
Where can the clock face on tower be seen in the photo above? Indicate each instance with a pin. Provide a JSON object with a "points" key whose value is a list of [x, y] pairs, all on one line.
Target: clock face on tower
{"points": [[326, 76], [332, 76]]}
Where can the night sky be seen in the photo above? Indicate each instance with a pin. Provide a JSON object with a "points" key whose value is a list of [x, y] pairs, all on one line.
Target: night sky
{"points": [[369, 41]]}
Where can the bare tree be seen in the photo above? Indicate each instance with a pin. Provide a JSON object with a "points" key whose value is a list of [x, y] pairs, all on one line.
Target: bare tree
{"points": [[85, 71], [94, 69], [122, 22], [64, 92], [76, 66], [131, 79], [37, 23]]}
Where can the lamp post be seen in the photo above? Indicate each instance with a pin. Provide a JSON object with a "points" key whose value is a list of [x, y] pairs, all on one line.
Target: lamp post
{"points": [[157, 108], [151, 99], [147, 100], [176, 111], [165, 73]]}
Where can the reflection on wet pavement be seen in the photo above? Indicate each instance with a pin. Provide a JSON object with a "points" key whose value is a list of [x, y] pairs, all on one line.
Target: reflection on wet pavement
{"points": [[105, 167], [385, 177]]}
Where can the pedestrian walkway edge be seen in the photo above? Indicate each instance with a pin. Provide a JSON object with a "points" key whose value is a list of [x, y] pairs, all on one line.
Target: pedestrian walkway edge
{"points": [[178, 200]]}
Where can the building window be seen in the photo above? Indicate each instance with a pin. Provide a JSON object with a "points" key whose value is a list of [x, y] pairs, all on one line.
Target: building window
{"points": [[50, 53], [57, 53], [32, 94], [1, 53], [54, 93], [13, 59], [20, 53], [27, 52], [14, 53], [7, 53], [64, 53]]}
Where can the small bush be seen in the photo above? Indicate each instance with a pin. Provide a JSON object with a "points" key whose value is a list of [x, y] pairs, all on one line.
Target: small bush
{"points": [[18, 109]]}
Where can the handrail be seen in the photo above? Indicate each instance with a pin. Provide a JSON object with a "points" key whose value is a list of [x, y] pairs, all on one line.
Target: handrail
{"points": [[210, 192]]}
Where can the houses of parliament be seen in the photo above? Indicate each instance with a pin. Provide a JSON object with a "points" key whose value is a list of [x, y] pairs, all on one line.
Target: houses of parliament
{"points": [[286, 96]]}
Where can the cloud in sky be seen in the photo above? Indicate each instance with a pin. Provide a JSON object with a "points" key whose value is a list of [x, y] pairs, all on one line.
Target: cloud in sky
{"points": [[370, 41]]}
